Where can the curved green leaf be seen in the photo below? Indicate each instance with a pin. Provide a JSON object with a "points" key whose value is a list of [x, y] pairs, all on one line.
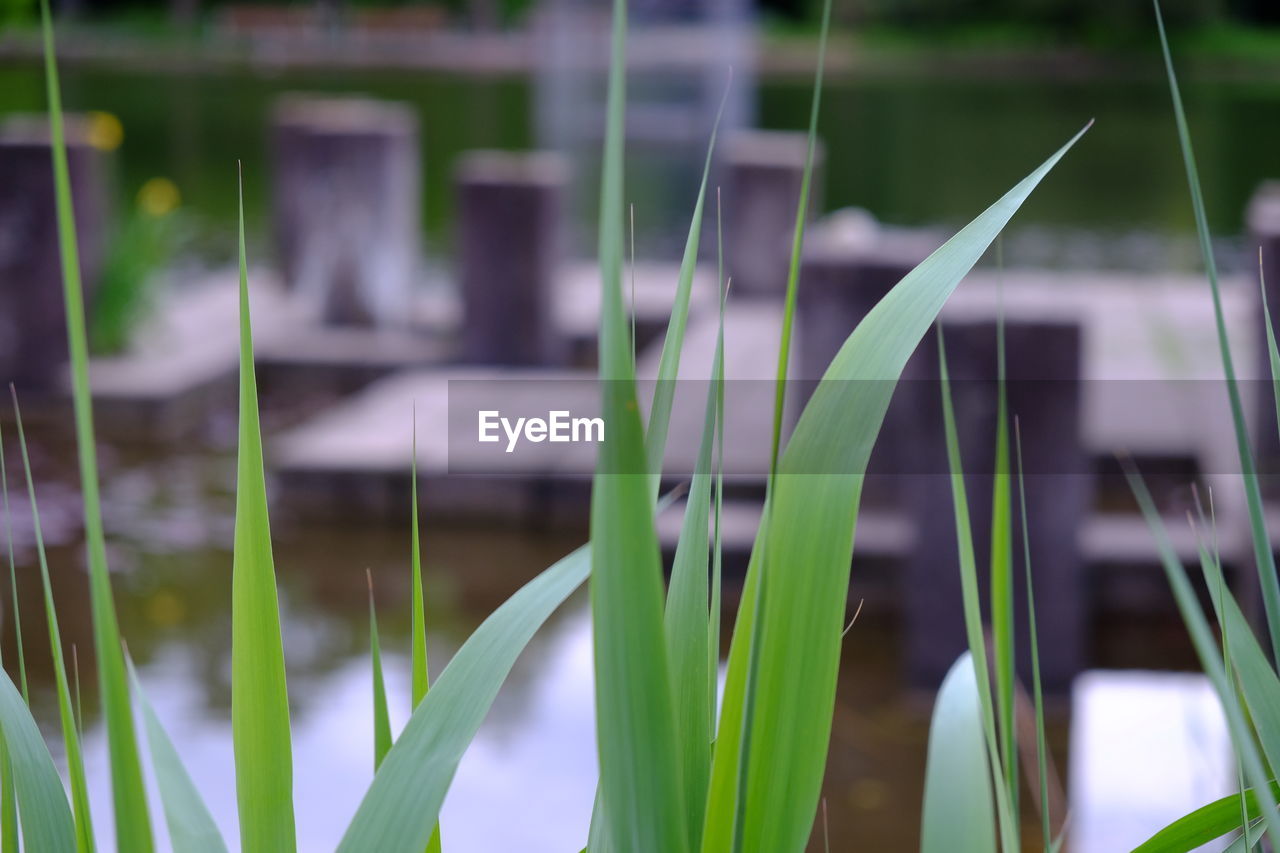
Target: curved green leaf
{"points": [[1203, 825], [959, 813], [259, 697], [46, 818], [191, 826]]}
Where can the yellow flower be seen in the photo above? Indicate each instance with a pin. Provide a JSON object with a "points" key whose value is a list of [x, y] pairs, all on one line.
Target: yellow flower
{"points": [[158, 196], [105, 131]]}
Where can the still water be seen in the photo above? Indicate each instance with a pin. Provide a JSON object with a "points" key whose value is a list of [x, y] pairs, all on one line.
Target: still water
{"points": [[915, 149]]}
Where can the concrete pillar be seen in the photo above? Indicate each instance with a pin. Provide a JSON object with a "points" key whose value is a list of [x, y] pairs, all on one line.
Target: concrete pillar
{"points": [[1262, 219], [764, 170], [33, 337], [510, 210], [1045, 393], [347, 195]]}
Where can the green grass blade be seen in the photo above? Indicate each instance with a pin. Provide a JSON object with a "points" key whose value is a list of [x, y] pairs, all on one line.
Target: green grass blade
{"points": [[958, 814], [808, 532], [191, 826], [1272, 351], [1203, 825], [8, 803], [403, 803], [418, 627], [640, 771], [13, 573], [259, 697], [418, 620], [1262, 552], [133, 824], [66, 714], [1042, 749], [686, 622], [972, 607], [717, 546], [673, 343], [1208, 652], [381, 715], [1001, 581], [46, 818]]}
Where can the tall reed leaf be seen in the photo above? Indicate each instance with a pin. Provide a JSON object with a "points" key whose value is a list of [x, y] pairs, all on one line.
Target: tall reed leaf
{"points": [[420, 678], [13, 574], [66, 716], [972, 607], [1001, 587], [673, 342], [640, 773], [1263, 556], [403, 803], [381, 715], [1210, 656], [1203, 825], [688, 638], [958, 816], [133, 825], [1042, 749], [259, 697], [191, 827], [46, 818], [808, 535]]}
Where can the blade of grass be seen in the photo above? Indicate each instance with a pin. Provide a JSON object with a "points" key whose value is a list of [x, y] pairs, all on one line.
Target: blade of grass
{"points": [[809, 533], [13, 575], [259, 697], [66, 715], [9, 803], [1203, 825], [1001, 581], [972, 607], [418, 621], [381, 716], [403, 803], [686, 621], [673, 342], [1042, 749], [1263, 556], [46, 819], [1207, 650], [958, 814], [1272, 351], [717, 548], [132, 821], [640, 770], [191, 826]]}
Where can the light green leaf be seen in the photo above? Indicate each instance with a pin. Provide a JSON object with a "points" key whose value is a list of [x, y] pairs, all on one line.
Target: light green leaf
{"points": [[133, 824], [259, 697], [403, 803], [42, 804], [808, 534], [66, 715], [1204, 824], [191, 826], [959, 814], [381, 715]]}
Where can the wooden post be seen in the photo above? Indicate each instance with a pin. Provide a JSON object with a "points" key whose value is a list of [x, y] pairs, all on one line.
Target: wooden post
{"points": [[765, 170], [510, 212], [33, 336], [1044, 393], [347, 203]]}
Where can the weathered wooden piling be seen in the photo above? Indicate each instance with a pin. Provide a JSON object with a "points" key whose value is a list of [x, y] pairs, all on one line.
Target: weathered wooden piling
{"points": [[346, 203], [764, 172], [510, 213], [33, 338], [1262, 219], [1045, 394]]}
